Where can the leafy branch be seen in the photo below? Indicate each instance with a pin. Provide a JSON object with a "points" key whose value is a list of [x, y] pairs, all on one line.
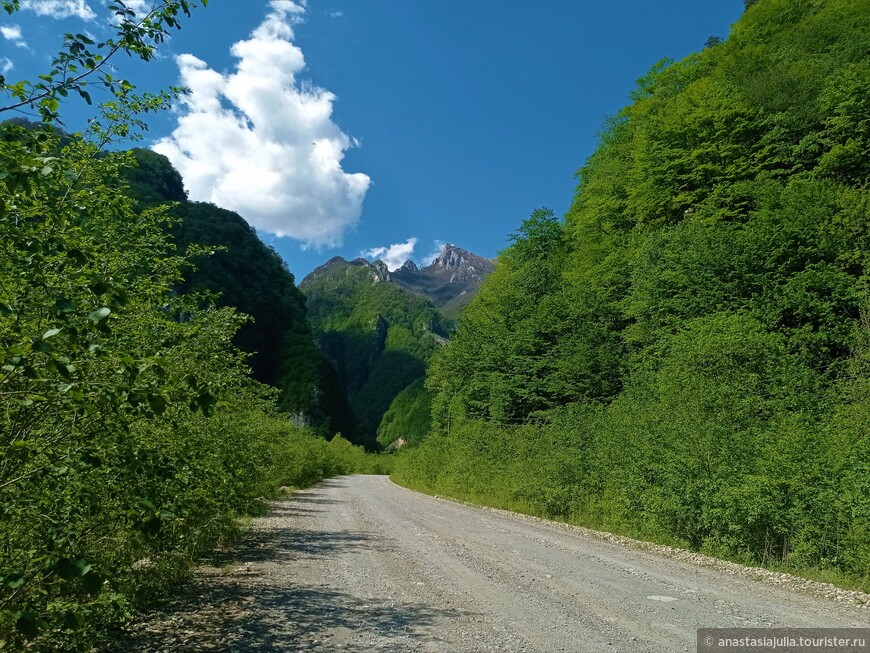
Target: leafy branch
{"points": [[82, 63]]}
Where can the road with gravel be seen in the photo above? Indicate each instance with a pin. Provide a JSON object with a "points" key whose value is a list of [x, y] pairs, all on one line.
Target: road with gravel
{"points": [[360, 564]]}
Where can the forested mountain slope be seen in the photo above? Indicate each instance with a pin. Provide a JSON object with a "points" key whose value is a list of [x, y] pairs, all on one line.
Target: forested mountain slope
{"points": [[379, 335], [249, 276], [685, 357]]}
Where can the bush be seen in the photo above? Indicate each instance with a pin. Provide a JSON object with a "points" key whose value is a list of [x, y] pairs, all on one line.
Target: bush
{"points": [[131, 435]]}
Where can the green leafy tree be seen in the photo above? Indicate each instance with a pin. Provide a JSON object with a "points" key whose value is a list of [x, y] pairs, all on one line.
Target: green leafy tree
{"points": [[83, 65], [689, 345], [237, 270], [131, 434]]}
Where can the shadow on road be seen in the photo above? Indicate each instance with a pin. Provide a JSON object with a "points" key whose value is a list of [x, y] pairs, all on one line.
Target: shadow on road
{"points": [[223, 615], [244, 601]]}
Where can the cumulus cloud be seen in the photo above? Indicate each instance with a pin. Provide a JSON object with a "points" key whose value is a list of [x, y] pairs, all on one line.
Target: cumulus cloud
{"points": [[60, 8], [13, 33], [6, 65], [394, 255], [260, 141]]}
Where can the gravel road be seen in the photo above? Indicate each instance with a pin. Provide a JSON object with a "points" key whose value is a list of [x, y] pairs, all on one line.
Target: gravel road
{"points": [[360, 564]]}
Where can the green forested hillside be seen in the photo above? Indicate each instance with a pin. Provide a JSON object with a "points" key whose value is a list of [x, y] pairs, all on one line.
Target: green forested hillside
{"points": [[409, 416], [685, 357], [379, 335], [245, 274]]}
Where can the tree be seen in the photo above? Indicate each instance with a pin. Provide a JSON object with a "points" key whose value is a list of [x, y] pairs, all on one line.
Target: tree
{"points": [[685, 358], [83, 65]]}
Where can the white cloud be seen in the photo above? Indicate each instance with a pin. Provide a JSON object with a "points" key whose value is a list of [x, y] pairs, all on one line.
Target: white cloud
{"points": [[394, 255], [336, 14], [13, 33], [6, 65], [437, 246], [60, 8], [262, 143]]}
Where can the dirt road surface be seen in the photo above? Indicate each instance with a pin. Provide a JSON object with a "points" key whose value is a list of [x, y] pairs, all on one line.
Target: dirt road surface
{"points": [[360, 564]]}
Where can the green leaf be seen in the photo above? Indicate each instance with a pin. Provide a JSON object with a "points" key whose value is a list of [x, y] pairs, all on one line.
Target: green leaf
{"points": [[70, 569], [100, 314], [14, 581], [147, 505], [42, 346], [51, 333]]}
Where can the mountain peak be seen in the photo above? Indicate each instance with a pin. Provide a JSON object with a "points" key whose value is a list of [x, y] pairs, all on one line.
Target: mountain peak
{"points": [[381, 271], [451, 257], [449, 281]]}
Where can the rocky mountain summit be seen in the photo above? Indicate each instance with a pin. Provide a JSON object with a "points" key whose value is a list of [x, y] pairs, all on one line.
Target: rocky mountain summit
{"points": [[449, 282]]}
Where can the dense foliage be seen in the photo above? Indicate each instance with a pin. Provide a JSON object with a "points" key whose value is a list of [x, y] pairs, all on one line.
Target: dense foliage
{"points": [[409, 417], [132, 434], [241, 272], [685, 356], [379, 335]]}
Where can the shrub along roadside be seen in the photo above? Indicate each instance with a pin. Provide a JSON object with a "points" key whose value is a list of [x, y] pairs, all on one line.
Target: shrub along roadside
{"points": [[684, 358], [728, 445], [795, 499], [131, 436]]}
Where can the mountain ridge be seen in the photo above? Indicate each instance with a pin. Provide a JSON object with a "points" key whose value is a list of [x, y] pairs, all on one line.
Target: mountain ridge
{"points": [[449, 281]]}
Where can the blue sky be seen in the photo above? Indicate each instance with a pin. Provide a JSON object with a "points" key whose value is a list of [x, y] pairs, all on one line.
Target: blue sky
{"points": [[354, 125]]}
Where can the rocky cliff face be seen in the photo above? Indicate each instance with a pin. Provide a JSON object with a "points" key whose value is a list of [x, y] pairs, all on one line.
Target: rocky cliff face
{"points": [[449, 282]]}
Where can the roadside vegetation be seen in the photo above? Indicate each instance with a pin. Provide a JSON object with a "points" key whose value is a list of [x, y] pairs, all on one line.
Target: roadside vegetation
{"points": [[685, 356], [132, 435]]}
